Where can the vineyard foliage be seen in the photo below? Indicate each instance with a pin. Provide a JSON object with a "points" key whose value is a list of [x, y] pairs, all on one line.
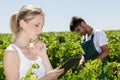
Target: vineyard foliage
{"points": [[62, 45]]}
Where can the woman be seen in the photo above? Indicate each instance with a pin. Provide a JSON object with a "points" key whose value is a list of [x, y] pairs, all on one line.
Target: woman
{"points": [[26, 26]]}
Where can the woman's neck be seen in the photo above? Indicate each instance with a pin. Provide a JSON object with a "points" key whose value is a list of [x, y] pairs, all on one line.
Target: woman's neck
{"points": [[22, 40]]}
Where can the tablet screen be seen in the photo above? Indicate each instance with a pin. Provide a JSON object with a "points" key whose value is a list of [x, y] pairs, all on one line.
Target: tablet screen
{"points": [[69, 63]]}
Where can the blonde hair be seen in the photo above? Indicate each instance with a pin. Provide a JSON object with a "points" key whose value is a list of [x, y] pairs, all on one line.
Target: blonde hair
{"points": [[26, 13]]}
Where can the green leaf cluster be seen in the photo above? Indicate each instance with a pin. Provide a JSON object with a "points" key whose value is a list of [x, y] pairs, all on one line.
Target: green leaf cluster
{"points": [[62, 45], [30, 75]]}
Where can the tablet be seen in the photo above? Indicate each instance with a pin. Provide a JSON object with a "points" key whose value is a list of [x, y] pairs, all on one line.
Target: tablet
{"points": [[69, 63]]}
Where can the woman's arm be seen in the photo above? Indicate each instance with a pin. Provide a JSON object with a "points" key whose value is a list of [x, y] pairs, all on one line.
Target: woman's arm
{"points": [[51, 74], [41, 50], [45, 57], [10, 64]]}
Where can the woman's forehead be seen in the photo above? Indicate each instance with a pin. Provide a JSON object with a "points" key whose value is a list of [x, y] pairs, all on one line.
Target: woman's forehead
{"points": [[38, 19]]}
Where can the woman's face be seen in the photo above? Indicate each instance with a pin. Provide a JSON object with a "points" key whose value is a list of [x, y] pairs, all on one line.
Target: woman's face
{"points": [[34, 27]]}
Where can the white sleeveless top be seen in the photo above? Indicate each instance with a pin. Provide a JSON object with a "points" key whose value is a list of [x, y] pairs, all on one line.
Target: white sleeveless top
{"points": [[26, 63]]}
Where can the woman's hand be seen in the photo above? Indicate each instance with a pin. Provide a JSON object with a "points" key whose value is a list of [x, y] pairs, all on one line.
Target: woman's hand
{"points": [[53, 74], [40, 48]]}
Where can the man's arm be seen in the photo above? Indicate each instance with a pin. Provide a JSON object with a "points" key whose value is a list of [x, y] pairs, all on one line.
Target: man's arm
{"points": [[104, 52]]}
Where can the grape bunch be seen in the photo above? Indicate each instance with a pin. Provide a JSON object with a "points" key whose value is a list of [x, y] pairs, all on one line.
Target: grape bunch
{"points": [[30, 75]]}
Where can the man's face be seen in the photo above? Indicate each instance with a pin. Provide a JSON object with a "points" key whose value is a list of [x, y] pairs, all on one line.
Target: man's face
{"points": [[81, 29]]}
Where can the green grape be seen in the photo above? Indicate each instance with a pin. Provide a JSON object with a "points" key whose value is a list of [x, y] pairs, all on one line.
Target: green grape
{"points": [[29, 72], [33, 77], [35, 65], [30, 75]]}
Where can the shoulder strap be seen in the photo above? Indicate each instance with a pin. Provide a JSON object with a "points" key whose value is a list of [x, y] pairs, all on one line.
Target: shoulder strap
{"points": [[18, 51]]}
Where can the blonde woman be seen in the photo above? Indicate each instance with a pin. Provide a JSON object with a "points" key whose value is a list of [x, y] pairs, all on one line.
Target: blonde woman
{"points": [[26, 25]]}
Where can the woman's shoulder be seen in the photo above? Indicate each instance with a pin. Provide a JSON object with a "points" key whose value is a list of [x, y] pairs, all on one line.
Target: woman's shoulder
{"points": [[10, 51], [10, 59], [10, 55]]}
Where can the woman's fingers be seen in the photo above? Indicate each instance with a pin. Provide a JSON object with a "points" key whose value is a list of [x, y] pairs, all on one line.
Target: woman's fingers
{"points": [[56, 72], [59, 72]]}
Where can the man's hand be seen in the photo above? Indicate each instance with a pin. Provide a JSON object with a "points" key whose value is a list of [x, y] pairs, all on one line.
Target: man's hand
{"points": [[82, 62]]}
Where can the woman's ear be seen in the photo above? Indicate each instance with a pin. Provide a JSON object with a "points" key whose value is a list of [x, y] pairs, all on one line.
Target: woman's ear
{"points": [[22, 23]]}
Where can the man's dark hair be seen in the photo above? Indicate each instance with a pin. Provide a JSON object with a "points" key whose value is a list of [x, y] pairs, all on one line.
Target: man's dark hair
{"points": [[75, 22]]}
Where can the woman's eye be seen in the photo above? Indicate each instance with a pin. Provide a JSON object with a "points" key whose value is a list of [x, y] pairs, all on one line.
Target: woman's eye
{"points": [[37, 25]]}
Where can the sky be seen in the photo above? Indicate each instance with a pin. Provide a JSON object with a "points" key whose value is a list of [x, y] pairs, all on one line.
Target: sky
{"points": [[104, 14]]}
